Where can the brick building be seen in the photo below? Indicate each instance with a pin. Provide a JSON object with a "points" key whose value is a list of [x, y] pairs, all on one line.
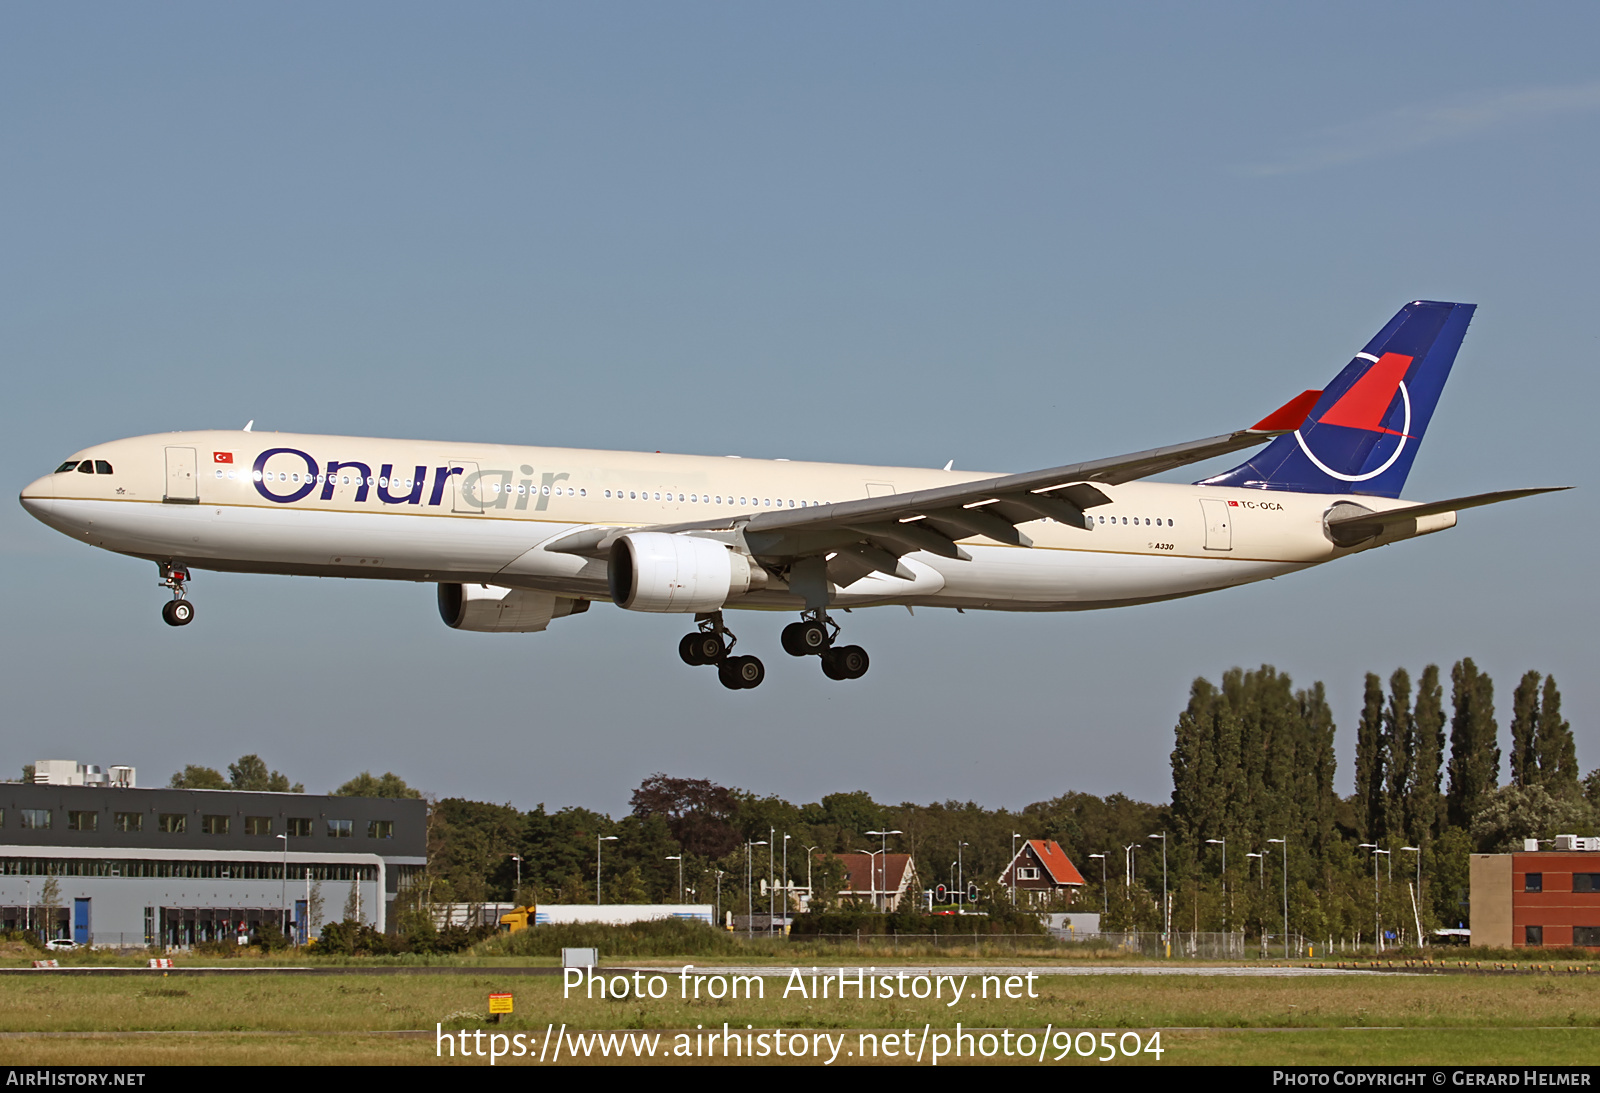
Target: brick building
{"points": [[1538, 897]]}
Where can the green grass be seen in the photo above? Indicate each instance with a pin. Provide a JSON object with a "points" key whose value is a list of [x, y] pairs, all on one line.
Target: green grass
{"points": [[271, 1018]]}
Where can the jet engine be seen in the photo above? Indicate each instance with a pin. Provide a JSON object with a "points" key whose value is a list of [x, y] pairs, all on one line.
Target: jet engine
{"points": [[491, 608], [655, 571]]}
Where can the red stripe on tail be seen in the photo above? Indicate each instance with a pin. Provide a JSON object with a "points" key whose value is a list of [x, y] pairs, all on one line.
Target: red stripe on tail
{"points": [[1368, 399]]}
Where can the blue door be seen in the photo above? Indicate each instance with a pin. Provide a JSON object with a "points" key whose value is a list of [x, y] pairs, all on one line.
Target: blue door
{"points": [[80, 921]]}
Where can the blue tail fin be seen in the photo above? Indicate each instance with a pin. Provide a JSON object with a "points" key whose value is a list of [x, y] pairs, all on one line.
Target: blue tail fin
{"points": [[1364, 431]]}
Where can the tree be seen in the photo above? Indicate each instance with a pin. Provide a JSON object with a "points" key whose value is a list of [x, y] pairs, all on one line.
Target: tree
{"points": [[1514, 813], [49, 903], [1400, 729], [1423, 814], [391, 785], [697, 811], [1474, 751], [352, 903], [1370, 755], [1524, 731], [250, 773], [315, 909], [1558, 753], [1198, 808], [193, 777]]}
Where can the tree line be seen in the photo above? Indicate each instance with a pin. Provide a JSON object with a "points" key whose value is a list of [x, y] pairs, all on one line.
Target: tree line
{"points": [[1254, 810], [1253, 768]]}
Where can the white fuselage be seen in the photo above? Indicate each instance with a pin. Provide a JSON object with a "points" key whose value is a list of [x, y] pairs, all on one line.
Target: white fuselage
{"points": [[446, 512]]}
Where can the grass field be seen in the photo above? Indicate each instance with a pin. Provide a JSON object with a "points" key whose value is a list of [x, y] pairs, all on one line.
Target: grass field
{"points": [[281, 1018]]}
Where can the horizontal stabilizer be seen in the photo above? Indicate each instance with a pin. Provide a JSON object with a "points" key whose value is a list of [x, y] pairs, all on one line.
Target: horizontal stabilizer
{"points": [[1353, 526], [1290, 416]]}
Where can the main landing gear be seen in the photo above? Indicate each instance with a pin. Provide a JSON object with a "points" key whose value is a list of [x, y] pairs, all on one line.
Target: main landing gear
{"points": [[178, 611], [711, 644], [814, 635]]}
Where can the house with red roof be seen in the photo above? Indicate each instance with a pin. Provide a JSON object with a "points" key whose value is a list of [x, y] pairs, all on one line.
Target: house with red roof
{"points": [[1042, 875]]}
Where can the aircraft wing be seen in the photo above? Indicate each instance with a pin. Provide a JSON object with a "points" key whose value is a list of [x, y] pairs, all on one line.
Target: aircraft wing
{"points": [[871, 533]]}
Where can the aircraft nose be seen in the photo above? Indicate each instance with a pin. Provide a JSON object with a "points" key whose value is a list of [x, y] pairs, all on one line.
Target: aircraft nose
{"points": [[36, 497]]}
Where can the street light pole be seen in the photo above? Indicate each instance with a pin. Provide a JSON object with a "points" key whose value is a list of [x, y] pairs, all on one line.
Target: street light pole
{"points": [[1105, 899], [750, 889], [283, 898], [599, 839], [1166, 907], [1015, 835], [1416, 897], [679, 859], [885, 837], [1285, 842], [1227, 897], [786, 839]]}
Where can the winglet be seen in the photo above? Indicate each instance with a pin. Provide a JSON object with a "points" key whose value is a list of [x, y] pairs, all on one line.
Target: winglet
{"points": [[1291, 415]]}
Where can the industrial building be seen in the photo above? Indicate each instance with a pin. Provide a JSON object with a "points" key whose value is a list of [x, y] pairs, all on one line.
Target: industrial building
{"points": [[100, 861]]}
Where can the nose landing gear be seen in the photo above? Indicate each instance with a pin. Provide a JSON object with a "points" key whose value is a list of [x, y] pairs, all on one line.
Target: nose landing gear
{"points": [[178, 611], [711, 644]]}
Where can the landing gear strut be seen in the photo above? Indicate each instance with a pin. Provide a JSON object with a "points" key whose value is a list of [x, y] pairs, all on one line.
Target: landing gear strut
{"points": [[710, 644], [178, 611], [814, 635]]}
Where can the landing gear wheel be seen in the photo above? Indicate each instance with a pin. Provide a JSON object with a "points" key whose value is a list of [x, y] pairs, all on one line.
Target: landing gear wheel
{"points": [[741, 673], [702, 647], [804, 639], [178, 613], [845, 662]]}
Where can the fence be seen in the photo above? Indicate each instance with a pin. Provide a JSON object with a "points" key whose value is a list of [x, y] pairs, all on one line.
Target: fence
{"points": [[939, 941], [1197, 946]]}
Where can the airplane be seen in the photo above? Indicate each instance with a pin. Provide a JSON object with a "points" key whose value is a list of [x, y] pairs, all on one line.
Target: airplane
{"points": [[517, 537]]}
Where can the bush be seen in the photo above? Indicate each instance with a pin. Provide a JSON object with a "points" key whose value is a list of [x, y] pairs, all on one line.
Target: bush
{"points": [[270, 938], [999, 920], [662, 937], [27, 937], [359, 939]]}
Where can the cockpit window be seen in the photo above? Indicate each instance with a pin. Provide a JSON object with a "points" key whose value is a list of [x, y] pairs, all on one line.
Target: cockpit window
{"points": [[86, 467], [67, 466], [101, 467]]}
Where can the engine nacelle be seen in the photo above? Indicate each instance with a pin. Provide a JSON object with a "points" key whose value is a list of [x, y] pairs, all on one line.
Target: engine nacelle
{"points": [[654, 571], [491, 608]]}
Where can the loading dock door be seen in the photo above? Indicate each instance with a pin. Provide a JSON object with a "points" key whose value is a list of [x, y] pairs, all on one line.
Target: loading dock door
{"points": [[1219, 524]]}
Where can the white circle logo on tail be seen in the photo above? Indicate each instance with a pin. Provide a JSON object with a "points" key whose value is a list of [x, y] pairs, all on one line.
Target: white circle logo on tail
{"points": [[1405, 434]]}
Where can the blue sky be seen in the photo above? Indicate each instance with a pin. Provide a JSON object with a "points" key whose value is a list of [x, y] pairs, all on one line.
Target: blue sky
{"points": [[1010, 236]]}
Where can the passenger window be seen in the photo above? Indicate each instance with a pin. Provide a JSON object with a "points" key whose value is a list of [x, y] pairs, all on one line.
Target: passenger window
{"points": [[101, 467]]}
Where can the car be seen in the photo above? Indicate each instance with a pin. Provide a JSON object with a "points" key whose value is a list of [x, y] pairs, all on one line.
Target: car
{"points": [[62, 945]]}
